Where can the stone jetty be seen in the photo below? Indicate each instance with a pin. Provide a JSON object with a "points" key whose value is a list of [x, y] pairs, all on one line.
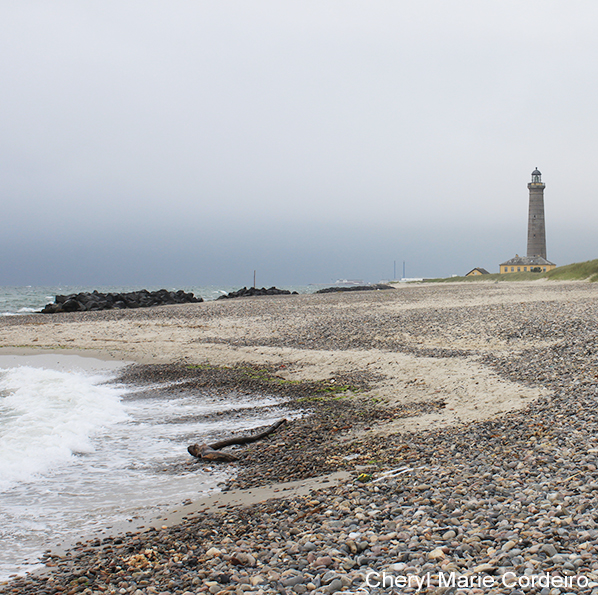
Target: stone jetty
{"points": [[374, 287], [253, 291], [90, 302]]}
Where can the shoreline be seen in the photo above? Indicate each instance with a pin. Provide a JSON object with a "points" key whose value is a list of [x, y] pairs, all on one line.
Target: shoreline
{"points": [[506, 482], [277, 331], [135, 374], [215, 502]]}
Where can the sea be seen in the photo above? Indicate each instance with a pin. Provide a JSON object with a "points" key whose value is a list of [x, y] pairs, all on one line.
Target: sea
{"points": [[27, 300], [81, 453]]}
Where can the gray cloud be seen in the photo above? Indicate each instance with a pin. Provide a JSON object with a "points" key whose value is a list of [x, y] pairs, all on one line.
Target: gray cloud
{"points": [[317, 139]]}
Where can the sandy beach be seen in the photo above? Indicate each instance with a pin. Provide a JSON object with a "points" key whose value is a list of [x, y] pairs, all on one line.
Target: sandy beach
{"points": [[466, 409], [420, 341]]}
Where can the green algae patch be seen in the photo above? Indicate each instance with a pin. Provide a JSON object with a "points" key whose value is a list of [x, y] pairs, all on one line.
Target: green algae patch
{"points": [[266, 379]]}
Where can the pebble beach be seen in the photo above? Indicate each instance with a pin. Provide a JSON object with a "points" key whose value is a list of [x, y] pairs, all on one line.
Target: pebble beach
{"points": [[458, 421]]}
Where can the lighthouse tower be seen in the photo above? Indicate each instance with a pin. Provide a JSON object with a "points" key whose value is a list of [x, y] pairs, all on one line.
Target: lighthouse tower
{"points": [[535, 261], [536, 230]]}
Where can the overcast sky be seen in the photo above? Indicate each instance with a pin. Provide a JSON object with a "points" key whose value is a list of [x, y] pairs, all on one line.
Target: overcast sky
{"points": [[146, 142]]}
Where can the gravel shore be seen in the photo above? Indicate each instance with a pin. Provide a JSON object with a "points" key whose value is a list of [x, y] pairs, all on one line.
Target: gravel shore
{"points": [[504, 502]]}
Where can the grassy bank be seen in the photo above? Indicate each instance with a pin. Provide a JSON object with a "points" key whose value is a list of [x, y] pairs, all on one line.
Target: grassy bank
{"points": [[578, 271]]}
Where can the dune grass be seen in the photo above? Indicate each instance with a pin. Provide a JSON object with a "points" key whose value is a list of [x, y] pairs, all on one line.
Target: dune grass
{"points": [[578, 271]]}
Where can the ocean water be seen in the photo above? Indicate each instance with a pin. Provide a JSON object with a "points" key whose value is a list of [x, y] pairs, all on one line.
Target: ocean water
{"points": [[80, 453], [26, 300]]}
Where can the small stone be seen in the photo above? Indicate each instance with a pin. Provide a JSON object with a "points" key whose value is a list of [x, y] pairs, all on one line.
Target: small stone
{"points": [[487, 568], [213, 552], [243, 558], [258, 579], [515, 552], [323, 561], [549, 550], [328, 577], [293, 580], [436, 554], [334, 586]]}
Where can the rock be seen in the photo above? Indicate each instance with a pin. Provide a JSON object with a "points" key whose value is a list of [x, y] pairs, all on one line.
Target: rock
{"points": [[328, 577], [487, 568], [436, 554], [449, 535], [549, 550], [213, 552], [334, 586], [323, 561], [51, 309], [352, 546], [509, 545], [243, 558], [291, 581], [72, 305], [258, 579]]}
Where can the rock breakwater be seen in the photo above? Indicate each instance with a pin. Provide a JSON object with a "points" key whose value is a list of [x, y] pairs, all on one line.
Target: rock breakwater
{"points": [[253, 291], [377, 286], [94, 301]]}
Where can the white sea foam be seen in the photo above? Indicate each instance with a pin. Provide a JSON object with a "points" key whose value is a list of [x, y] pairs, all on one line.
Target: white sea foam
{"points": [[48, 416]]}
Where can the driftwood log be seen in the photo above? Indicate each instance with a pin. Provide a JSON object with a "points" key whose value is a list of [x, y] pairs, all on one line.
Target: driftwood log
{"points": [[210, 451]]}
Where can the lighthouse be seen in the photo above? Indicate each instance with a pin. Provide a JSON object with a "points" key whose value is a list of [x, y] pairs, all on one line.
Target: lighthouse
{"points": [[536, 228], [535, 261]]}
